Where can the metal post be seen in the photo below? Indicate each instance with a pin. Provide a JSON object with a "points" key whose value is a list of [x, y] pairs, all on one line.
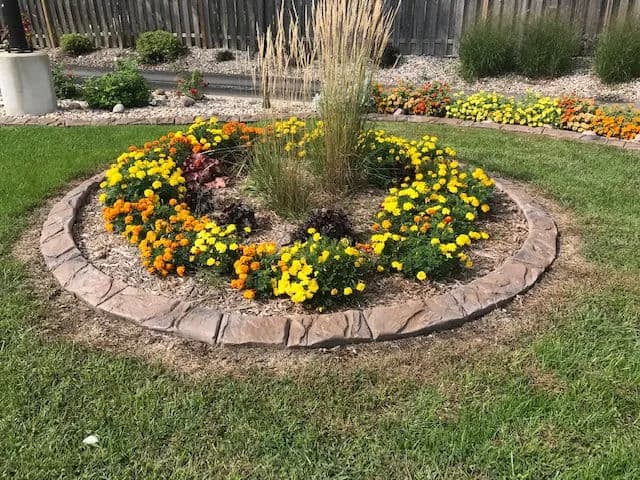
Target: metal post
{"points": [[10, 11]]}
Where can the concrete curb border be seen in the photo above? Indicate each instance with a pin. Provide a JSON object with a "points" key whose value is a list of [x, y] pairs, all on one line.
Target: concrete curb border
{"points": [[445, 311]]}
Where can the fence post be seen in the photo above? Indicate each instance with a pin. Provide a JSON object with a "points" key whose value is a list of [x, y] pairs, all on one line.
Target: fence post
{"points": [[47, 20]]}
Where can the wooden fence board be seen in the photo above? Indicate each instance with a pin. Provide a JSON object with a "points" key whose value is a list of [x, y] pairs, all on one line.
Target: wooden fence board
{"points": [[431, 27]]}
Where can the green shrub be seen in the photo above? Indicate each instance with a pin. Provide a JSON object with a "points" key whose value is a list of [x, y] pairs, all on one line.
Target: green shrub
{"points": [[486, 49], [389, 56], [225, 56], [159, 46], [546, 48], [76, 44], [65, 84], [125, 85], [617, 56]]}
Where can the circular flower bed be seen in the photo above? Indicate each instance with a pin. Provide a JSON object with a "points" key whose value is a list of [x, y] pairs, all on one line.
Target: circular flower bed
{"points": [[161, 197]]}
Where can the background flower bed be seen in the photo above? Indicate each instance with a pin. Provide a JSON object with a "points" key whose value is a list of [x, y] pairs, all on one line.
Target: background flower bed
{"points": [[567, 112]]}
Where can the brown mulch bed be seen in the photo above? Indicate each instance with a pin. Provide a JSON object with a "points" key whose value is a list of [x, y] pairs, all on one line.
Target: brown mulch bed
{"points": [[116, 257]]}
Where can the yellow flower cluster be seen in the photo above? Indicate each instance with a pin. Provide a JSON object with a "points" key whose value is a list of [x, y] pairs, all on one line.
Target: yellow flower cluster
{"points": [[215, 246], [423, 225], [533, 110], [138, 174], [296, 280], [205, 135], [296, 135], [321, 269]]}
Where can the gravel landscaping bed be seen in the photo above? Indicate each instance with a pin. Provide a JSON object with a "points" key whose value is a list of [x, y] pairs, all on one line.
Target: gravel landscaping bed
{"points": [[411, 68], [169, 105]]}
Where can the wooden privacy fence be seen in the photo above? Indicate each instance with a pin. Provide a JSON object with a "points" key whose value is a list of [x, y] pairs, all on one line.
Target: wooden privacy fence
{"points": [[428, 27]]}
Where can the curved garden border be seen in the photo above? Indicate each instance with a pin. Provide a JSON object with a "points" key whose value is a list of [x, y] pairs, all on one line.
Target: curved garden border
{"points": [[444, 311]]}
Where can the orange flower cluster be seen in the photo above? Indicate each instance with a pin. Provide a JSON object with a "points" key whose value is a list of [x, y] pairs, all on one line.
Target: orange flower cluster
{"points": [[166, 246], [623, 124], [126, 215], [248, 263], [243, 132], [576, 113]]}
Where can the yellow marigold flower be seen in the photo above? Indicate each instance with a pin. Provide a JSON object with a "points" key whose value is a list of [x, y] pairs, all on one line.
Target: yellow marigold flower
{"points": [[348, 291], [380, 268], [470, 216], [421, 276], [334, 292], [156, 184], [462, 240], [352, 252], [360, 286], [485, 208]]}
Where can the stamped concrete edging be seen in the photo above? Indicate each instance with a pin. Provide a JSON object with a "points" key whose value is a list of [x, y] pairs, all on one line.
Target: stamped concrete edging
{"points": [[448, 310], [585, 137]]}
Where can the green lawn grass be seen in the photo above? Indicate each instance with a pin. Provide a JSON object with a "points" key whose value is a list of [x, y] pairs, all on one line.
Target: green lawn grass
{"points": [[325, 421]]}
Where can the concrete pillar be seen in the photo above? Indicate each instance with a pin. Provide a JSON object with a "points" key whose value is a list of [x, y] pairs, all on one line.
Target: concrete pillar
{"points": [[26, 83]]}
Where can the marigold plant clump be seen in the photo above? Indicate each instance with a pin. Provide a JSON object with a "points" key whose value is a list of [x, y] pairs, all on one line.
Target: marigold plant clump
{"points": [[421, 230], [431, 99], [532, 110]]}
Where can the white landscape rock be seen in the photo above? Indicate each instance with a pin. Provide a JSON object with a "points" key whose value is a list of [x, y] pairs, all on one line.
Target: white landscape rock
{"points": [[188, 102], [91, 440], [118, 108]]}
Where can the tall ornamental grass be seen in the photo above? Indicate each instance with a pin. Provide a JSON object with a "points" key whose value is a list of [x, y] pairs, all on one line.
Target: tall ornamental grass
{"points": [[487, 50], [283, 54], [344, 42], [282, 180], [617, 57], [547, 48], [350, 37]]}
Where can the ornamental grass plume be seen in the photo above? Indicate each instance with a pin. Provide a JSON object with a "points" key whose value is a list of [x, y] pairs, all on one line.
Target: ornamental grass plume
{"points": [[350, 37], [346, 39]]}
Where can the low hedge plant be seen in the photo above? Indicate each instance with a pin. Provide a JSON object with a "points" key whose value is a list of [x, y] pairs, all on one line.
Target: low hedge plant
{"points": [[125, 85]]}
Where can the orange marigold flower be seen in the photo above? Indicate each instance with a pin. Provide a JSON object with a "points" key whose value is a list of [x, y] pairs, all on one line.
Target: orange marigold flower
{"points": [[249, 294]]}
